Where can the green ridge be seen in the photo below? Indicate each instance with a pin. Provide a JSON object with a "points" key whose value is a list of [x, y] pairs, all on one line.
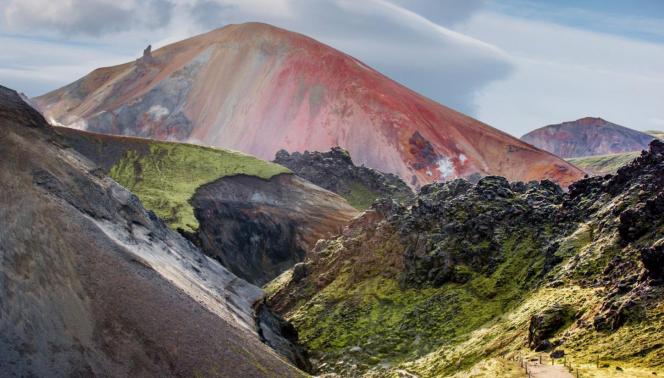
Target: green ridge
{"points": [[167, 176]]}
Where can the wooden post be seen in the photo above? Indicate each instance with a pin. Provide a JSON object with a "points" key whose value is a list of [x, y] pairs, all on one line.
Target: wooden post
{"points": [[540, 359], [598, 361]]}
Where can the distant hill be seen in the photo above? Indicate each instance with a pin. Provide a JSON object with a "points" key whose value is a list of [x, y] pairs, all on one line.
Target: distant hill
{"points": [[587, 137]]}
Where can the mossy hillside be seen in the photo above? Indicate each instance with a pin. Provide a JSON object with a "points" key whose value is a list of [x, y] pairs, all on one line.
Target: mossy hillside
{"points": [[478, 267], [392, 323], [636, 347], [167, 175], [502, 337], [604, 164]]}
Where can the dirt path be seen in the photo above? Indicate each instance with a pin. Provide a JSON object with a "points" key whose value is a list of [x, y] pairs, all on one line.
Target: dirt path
{"points": [[548, 371]]}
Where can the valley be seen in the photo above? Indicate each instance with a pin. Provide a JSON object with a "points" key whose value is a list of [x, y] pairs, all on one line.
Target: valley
{"points": [[252, 202]]}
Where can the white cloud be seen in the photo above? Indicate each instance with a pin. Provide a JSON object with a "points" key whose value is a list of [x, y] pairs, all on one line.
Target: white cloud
{"points": [[444, 12], [33, 66], [91, 17], [564, 73], [435, 61]]}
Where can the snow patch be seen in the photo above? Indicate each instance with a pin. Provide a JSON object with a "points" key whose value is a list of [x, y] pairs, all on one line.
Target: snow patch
{"points": [[81, 124], [462, 158], [445, 167], [53, 122], [157, 112]]}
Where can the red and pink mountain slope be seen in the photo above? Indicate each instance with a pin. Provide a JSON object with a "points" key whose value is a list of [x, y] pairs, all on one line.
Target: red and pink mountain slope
{"points": [[258, 89]]}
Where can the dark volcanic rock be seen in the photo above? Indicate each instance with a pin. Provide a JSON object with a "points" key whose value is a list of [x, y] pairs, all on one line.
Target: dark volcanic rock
{"points": [[335, 171], [281, 336], [653, 261], [558, 353], [545, 325], [457, 225], [259, 228]]}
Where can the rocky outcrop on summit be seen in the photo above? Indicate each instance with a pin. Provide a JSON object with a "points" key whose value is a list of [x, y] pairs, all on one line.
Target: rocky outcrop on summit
{"points": [[587, 137], [257, 89], [475, 272], [334, 170], [95, 285]]}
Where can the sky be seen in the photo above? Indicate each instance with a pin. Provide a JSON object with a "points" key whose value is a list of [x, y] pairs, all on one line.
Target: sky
{"points": [[514, 64]]}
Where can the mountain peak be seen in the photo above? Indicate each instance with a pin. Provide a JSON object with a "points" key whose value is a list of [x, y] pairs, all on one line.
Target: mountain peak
{"points": [[257, 88], [590, 121], [587, 136]]}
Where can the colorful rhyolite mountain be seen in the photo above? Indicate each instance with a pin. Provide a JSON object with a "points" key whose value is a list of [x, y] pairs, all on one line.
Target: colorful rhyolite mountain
{"points": [[587, 137], [259, 89]]}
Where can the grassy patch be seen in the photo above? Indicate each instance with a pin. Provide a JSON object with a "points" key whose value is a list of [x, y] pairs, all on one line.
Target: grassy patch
{"points": [[166, 177], [361, 197], [604, 164]]}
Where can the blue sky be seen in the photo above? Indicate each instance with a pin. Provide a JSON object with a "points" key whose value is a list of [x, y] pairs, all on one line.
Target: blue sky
{"points": [[514, 64], [639, 19]]}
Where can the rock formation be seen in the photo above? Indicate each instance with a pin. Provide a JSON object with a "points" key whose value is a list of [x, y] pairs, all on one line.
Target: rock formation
{"points": [[336, 172]]}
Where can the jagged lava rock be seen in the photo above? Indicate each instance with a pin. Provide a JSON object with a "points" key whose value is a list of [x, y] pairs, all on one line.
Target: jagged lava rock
{"points": [[335, 171]]}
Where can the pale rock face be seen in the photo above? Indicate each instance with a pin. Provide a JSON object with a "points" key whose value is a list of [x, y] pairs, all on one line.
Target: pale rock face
{"points": [[258, 89], [95, 285]]}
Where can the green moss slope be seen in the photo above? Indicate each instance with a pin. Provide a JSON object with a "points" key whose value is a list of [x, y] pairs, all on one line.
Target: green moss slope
{"points": [[394, 324], [604, 164], [465, 279], [166, 177], [360, 196]]}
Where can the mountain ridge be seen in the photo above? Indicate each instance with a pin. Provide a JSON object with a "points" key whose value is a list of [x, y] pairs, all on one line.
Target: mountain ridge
{"points": [[588, 136]]}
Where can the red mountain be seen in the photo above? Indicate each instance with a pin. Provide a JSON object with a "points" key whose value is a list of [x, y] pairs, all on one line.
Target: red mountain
{"points": [[259, 89], [587, 137]]}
